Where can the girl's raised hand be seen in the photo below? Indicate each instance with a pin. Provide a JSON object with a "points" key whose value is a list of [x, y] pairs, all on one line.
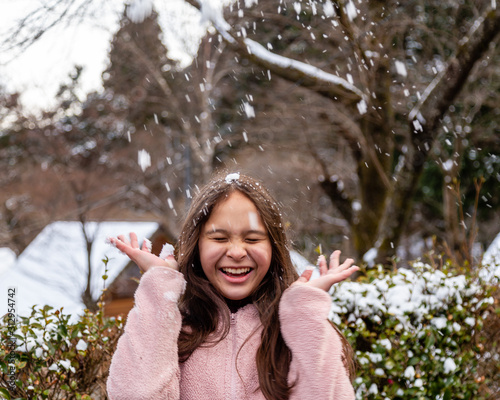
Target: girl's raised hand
{"points": [[329, 275], [142, 257]]}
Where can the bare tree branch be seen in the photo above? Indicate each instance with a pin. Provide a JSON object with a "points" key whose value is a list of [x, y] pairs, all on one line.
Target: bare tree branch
{"points": [[445, 87], [332, 188], [39, 21], [439, 96]]}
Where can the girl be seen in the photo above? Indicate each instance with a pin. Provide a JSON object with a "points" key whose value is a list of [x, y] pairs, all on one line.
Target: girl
{"points": [[228, 318]]}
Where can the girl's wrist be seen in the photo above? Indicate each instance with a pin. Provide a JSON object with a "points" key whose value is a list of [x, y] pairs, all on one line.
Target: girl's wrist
{"points": [[160, 264]]}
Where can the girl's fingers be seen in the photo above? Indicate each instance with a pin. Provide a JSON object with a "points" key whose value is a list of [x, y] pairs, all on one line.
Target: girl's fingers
{"points": [[146, 246], [323, 268], [125, 245], [347, 263], [335, 262], [342, 275], [120, 245], [335, 259], [133, 240], [123, 239]]}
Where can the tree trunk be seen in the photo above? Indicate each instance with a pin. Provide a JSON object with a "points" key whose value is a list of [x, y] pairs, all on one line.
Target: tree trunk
{"points": [[454, 236], [87, 298], [451, 188]]}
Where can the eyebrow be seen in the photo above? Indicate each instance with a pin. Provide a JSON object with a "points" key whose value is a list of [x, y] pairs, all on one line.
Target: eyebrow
{"points": [[224, 231]]}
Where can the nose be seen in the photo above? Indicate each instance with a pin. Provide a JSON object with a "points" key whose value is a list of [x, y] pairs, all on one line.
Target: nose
{"points": [[236, 251]]}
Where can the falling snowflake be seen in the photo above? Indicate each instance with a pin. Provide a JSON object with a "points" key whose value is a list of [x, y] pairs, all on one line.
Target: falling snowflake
{"points": [[144, 159], [328, 9], [351, 11], [362, 107], [249, 110], [400, 68]]}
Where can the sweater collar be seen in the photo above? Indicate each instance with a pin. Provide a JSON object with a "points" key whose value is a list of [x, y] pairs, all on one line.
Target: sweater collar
{"points": [[236, 305]]}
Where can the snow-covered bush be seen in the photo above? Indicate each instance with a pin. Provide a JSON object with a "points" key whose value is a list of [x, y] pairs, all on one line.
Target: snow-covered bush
{"points": [[46, 356], [417, 333]]}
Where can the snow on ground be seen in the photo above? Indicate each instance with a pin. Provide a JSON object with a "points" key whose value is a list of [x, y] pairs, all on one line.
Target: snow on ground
{"points": [[52, 268]]}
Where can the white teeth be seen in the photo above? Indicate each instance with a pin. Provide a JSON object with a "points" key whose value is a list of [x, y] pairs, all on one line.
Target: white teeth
{"points": [[236, 271]]}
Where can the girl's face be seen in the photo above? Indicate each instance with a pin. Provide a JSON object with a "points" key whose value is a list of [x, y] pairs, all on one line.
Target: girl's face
{"points": [[235, 250]]}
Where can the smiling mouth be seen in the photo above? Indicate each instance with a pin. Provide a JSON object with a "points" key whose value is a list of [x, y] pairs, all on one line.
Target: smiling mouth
{"points": [[234, 272]]}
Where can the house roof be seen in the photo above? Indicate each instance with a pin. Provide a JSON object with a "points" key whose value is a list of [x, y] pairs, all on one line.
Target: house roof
{"points": [[7, 259], [491, 261], [52, 269]]}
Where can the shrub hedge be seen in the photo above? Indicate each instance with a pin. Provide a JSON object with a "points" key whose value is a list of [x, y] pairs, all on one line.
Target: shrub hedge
{"points": [[418, 334], [54, 358]]}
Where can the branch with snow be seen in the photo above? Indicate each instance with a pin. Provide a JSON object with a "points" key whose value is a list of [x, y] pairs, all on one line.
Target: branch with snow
{"points": [[325, 83], [309, 75]]}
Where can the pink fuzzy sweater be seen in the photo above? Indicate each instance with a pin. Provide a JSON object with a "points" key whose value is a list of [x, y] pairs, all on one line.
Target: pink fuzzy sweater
{"points": [[145, 365]]}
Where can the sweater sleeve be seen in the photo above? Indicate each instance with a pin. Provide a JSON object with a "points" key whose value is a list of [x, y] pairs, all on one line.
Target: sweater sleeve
{"points": [[317, 367], [145, 364]]}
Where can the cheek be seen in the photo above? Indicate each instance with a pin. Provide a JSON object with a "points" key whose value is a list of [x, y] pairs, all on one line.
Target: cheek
{"points": [[205, 261], [263, 255], [209, 254]]}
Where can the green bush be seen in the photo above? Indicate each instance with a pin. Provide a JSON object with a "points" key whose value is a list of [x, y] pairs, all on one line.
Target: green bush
{"points": [[55, 358], [417, 333]]}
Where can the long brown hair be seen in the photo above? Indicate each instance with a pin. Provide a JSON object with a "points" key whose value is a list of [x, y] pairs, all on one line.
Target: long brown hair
{"points": [[201, 304]]}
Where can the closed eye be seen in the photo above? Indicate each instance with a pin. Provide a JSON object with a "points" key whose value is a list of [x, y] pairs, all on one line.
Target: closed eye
{"points": [[219, 239]]}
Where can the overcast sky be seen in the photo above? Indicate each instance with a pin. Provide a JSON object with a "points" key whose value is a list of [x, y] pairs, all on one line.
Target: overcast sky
{"points": [[38, 72]]}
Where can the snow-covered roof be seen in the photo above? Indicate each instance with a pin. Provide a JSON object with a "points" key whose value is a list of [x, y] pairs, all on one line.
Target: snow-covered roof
{"points": [[52, 269], [7, 259], [301, 263], [491, 260]]}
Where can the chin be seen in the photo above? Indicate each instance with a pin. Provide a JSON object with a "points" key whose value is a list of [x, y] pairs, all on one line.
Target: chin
{"points": [[236, 297]]}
